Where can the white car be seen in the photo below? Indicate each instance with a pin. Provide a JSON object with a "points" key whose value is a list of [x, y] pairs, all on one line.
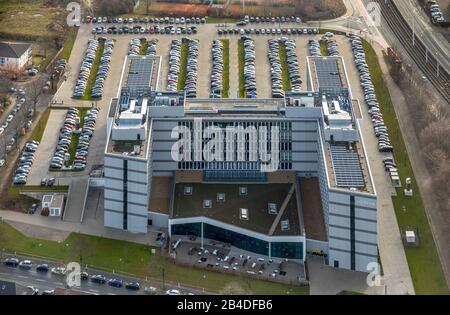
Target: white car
{"points": [[173, 292], [2, 163], [59, 270]]}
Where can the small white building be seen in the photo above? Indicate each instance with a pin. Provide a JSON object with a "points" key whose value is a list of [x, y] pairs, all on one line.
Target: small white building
{"points": [[14, 57], [410, 236], [54, 203]]}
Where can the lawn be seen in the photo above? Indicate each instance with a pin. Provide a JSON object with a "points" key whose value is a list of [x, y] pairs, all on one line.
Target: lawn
{"points": [[26, 19], [93, 75], [323, 49], [286, 81], [68, 43], [131, 258], [144, 46], [183, 65], [15, 191], [226, 68], [423, 261], [241, 64]]}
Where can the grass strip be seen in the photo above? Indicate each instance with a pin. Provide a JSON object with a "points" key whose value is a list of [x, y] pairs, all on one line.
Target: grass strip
{"points": [[93, 75], [226, 68], [14, 191], [183, 64], [144, 46], [423, 261], [38, 131], [285, 80], [241, 64], [323, 49]]}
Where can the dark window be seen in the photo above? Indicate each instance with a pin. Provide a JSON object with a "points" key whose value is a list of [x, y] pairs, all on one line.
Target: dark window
{"points": [[336, 264], [292, 250]]}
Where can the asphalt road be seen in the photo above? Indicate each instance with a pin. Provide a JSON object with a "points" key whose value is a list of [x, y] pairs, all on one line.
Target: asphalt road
{"points": [[49, 281]]}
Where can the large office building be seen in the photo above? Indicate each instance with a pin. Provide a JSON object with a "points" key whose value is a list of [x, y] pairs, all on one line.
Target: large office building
{"points": [[277, 177]]}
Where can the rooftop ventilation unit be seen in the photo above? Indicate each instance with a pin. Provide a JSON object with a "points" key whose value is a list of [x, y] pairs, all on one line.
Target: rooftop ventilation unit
{"points": [[242, 191], [272, 207], [137, 150], [207, 204], [243, 214], [188, 190], [220, 197], [285, 225]]}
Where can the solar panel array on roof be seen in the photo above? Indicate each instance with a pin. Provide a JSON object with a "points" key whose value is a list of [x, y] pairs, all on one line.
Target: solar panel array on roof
{"points": [[327, 73], [347, 168], [140, 72]]}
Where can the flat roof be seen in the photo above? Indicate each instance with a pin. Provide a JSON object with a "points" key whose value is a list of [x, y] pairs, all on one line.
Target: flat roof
{"points": [[57, 201], [127, 147], [312, 209], [160, 194], [256, 202]]}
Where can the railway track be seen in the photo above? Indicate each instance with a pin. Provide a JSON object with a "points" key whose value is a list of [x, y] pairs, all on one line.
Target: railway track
{"points": [[418, 52]]}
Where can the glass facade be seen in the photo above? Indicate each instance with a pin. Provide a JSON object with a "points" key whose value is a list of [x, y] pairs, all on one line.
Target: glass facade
{"points": [[238, 240], [186, 229], [291, 250]]}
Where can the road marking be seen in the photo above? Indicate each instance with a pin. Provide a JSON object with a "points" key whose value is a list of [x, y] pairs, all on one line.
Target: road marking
{"points": [[23, 277], [95, 291], [41, 280]]}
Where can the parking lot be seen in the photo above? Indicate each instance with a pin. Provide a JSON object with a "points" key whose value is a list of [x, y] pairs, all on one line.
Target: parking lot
{"points": [[224, 258], [205, 36]]}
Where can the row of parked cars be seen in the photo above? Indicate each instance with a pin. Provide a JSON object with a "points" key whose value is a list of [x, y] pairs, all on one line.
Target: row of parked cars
{"points": [[332, 46], [134, 47], [19, 103], [86, 67], [97, 88], [314, 48], [139, 29], [271, 19], [61, 154], [151, 48], [249, 67], [145, 20], [217, 69], [435, 12], [192, 69], [384, 144], [275, 68], [267, 31], [25, 163], [174, 65]]}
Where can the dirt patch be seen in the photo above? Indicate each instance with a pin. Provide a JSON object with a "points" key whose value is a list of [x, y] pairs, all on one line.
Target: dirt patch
{"points": [[174, 9], [307, 9], [40, 232]]}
